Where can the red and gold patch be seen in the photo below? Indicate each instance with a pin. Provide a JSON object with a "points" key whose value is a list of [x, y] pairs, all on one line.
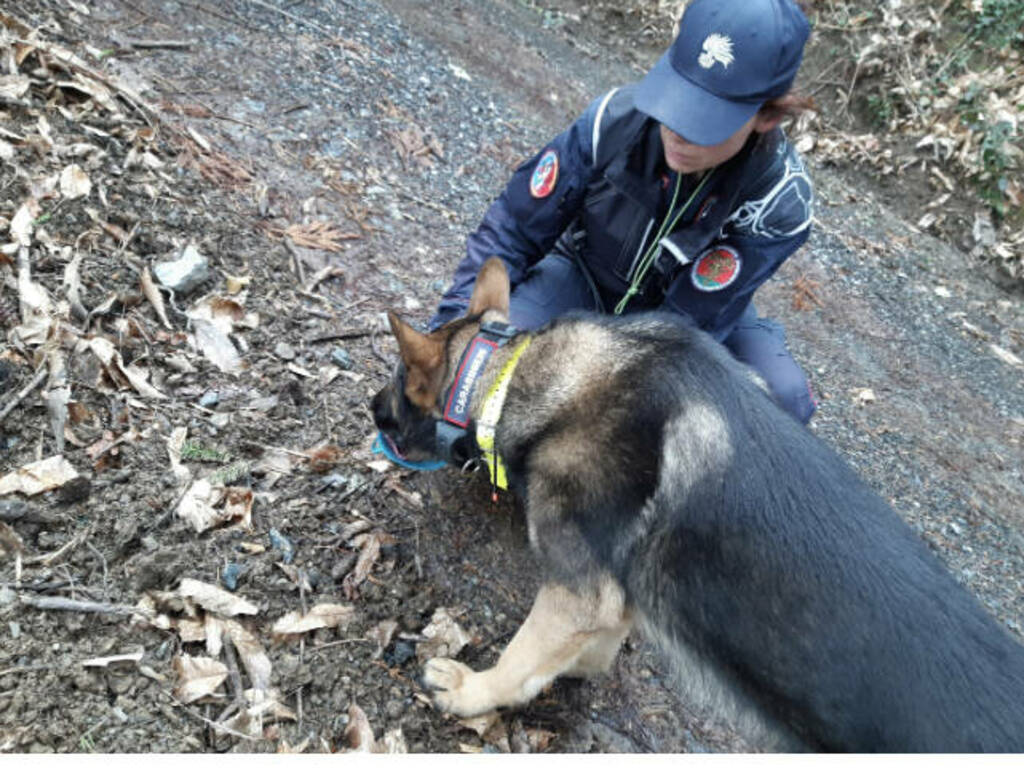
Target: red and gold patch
{"points": [[716, 268], [545, 175]]}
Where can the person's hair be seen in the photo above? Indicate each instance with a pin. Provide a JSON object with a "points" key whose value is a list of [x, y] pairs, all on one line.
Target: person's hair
{"points": [[791, 104]]}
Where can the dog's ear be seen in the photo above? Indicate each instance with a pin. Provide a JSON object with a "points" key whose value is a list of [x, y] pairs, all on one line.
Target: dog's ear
{"points": [[423, 356], [491, 289]]}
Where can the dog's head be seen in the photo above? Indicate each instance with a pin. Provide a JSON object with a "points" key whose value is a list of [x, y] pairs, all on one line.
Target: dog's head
{"points": [[407, 410]]}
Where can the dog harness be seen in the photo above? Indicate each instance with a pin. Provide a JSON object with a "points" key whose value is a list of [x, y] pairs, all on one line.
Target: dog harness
{"points": [[453, 427]]}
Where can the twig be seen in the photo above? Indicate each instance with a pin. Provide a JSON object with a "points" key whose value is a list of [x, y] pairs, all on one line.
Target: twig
{"points": [[296, 261], [103, 562], [292, 16], [46, 603], [46, 586], [38, 379], [238, 691], [352, 334], [176, 44], [19, 670], [347, 641], [55, 557]]}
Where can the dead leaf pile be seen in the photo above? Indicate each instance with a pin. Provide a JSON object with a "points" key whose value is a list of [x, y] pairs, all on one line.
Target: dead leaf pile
{"points": [[204, 613]]}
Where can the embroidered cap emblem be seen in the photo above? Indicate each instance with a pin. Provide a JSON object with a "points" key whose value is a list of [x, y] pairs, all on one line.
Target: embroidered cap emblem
{"points": [[716, 48], [545, 175], [716, 268]]}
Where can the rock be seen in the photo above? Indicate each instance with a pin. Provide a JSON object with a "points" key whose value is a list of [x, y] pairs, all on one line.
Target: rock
{"points": [[185, 273], [89, 682], [283, 544], [285, 351], [341, 358], [119, 683], [230, 575], [74, 490], [399, 653], [209, 399], [394, 709]]}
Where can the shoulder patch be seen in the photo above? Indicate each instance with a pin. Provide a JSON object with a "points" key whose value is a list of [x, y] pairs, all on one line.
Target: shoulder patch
{"points": [[716, 268], [784, 211], [545, 175]]}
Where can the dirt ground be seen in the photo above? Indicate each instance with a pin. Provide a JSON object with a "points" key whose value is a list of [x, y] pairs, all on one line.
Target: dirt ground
{"points": [[328, 157]]}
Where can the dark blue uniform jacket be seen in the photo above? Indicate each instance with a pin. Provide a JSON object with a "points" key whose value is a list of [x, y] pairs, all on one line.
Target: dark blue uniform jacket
{"points": [[610, 196]]}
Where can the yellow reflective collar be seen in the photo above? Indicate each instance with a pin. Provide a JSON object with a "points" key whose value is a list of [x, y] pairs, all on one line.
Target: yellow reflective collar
{"points": [[490, 413]]}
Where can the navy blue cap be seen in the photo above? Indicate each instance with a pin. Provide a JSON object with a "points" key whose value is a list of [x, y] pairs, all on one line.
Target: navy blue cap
{"points": [[730, 57]]}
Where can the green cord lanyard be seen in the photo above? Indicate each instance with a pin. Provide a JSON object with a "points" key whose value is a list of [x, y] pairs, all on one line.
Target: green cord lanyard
{"points": [[648, 258]]}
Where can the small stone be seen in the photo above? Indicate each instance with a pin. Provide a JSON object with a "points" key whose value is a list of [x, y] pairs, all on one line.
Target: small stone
{"points": [[15, 628], [185, 273], [74, 490], [230, 575], [399, 653], [220, 420], [281, 543], [341, 358], [394, 709], [210, 399], [285, 351], [119, 683]]}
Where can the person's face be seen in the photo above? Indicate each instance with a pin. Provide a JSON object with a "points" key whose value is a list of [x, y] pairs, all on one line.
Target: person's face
{"points": [[683, 157]]}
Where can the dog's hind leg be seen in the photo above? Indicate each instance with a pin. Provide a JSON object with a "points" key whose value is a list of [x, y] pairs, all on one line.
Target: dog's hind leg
{"points": [[566, 633]]}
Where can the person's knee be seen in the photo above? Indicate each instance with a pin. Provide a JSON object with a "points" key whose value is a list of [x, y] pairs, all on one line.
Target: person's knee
{"points": [[796, 398]]}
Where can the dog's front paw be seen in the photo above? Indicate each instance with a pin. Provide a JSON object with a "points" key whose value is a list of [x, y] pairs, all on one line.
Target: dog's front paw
{"points": [[457, 688]]}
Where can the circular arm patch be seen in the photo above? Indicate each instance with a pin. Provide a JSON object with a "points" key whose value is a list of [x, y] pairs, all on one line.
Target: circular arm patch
{"points": [[545, 175], [716, 268]]}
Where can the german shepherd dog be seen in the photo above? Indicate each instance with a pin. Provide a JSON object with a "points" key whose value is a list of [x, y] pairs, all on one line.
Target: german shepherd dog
{"points": [[662, 484]]}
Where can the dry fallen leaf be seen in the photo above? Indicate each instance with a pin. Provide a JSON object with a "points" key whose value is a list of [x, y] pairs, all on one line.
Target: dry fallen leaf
{"points": [[369, 544], [23, 222], [120, 374], [74, 182], [152, 292], [254, 658], [491, 728], [444, 637], [213, 319], [382, 634], [358, 732], [215, 599], [324, 615], [38, 477], [325, 458], [198, 506], [198, 676], [265, 708]]}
